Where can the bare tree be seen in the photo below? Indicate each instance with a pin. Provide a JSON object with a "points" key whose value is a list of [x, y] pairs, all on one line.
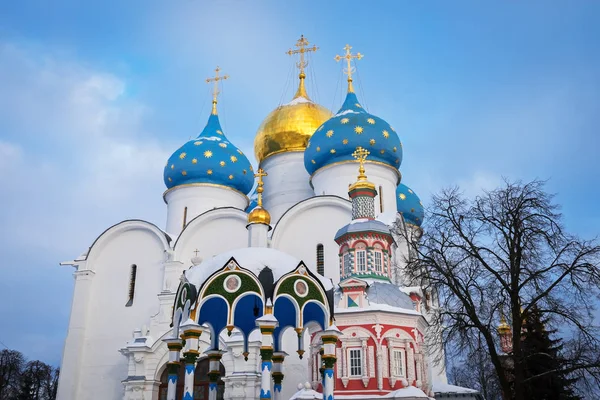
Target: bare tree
{"points": [[508, 250], [11, 365]]}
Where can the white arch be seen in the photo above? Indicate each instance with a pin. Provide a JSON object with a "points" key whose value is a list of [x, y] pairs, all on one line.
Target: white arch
{"points": [[311, 203], [197, 224], [113, 233]]}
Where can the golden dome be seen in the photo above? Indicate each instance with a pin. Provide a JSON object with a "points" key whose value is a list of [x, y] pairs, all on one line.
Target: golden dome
{"points": [[259, 216], [289, 126]]}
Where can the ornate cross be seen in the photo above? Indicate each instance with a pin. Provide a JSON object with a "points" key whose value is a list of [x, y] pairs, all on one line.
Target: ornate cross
{"points": [[196, 252], [361, 155], [349, 70], [260, 174], [216, 80], [302, 44]]}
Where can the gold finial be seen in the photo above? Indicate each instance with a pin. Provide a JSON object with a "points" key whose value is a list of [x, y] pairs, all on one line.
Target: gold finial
{"points": [[361, 155], [259, 215], [259, 174], [302, 45], [362, 183], [216, 92], [349, 68], [503, 327]]}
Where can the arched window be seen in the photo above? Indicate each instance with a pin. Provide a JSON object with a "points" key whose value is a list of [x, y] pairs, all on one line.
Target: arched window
{"points": [[320, 260], [380, 198], [132, 275], [361, 260], [378, 261]]}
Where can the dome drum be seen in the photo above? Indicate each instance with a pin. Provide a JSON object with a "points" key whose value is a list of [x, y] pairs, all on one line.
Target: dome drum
{"points": [[336, 180]]}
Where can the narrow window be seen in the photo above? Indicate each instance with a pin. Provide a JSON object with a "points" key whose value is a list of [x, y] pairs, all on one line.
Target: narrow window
{"points": [[355, 362], [320, 260], [378, 261], [132, 275], [397, 363], [347, 267], [380, 198], [361, 260], [184, 217]]}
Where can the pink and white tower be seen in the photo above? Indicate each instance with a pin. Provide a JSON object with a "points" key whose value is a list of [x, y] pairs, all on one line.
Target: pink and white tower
{"points": [[381, 351]]}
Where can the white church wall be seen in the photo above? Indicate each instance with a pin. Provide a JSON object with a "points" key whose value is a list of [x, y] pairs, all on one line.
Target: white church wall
{"points": [[286, 183], [198, 199], [110, 323], [335, 179], [312, 222], [212, 233]]}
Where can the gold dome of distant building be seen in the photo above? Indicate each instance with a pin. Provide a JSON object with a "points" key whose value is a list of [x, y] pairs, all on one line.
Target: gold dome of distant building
{"points": [[290, 126]]}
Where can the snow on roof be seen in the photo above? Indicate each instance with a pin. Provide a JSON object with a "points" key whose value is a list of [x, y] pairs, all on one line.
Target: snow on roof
{"points": [[410, 392], [254, 259], [298, 100], [376, 307], [412, 289], [440, 387], [345, 112]]}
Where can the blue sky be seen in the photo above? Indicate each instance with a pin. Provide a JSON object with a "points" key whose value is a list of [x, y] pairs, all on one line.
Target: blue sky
{"points": [[96, 95]]}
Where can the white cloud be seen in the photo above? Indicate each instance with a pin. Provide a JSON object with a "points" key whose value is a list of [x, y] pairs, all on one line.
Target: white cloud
{"points": [[75, 157]]}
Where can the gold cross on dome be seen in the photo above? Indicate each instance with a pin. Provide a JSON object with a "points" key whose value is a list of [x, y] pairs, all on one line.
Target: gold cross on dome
{"points": [[196, 252], [216, 92], [349, 70], [302, 45], [260, 174], [361, 155]]}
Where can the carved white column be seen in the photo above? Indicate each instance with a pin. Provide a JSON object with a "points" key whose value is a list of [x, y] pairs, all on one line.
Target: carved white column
{"points": [[390, 356], [365, 372], [344, 362], [379, 367], [410, 361], [419, 361]]}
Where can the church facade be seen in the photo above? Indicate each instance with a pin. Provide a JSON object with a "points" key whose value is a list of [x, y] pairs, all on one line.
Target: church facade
{"points": [[291, 291]]}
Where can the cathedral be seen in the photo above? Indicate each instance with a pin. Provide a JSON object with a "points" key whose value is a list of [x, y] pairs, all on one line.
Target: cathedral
{"points": [[280, 282]]}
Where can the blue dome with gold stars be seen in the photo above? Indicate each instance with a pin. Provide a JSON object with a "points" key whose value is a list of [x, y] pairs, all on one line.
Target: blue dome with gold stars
{"points": [[351, 127], [210, 159], [409, 205]]}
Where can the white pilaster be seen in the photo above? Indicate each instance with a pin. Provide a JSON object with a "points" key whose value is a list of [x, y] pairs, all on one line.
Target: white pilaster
{"points": [[73, 350]]}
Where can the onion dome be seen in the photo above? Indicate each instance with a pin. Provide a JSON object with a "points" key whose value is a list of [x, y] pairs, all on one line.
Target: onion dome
{"points": [[289, 127], [409, 205], [210, 159], [352, 127]]}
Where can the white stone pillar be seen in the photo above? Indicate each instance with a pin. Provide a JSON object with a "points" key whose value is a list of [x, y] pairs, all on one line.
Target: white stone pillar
{"points": [[214, 372], [267, 324], [330, 338], [365, 371], [258, 235], [278, 374], [73, 350], [410, 361], [191, 334], [174, 345]]}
